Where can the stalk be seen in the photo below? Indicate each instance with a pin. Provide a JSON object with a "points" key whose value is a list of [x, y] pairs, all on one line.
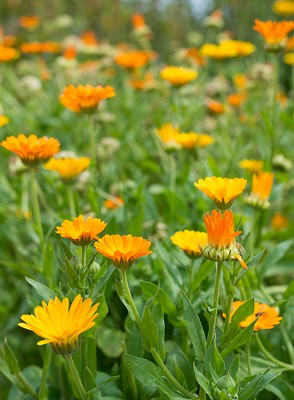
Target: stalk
{"points": [[35, 205], [76, 378], [212, 323], [131, 302]]}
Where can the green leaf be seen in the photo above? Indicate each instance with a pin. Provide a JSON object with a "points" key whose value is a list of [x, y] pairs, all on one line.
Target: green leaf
{"points": [[45, 292], [180, 367], [68, 254], [251, 387], [202, 381], [32, 375], [243, 337], [149, 330], [276, 253], [10, 358], [158, 316], [234, 368], [202, 273], [71, 274], [89, 380], [150, 290], [195, 329], [102, 310], [110, 341], [213, 359], [253, 262]]}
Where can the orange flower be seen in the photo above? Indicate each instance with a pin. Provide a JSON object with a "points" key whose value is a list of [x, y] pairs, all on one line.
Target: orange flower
{"points": [[70, 53], [279, 221], [262, 184], [68, 168], [267, 316], [30, 149], [80, 231], [123, 250], [237, 99], [89, 38], [146, 83], [221, 238], [138, 21], [50, 47], [190, 241], [215, 107], [274, 33], [133, 59], [8, 53], [85, 98], [194, 54], [31, 47], [222, 191], [178, 76], [29, 21], [117, 202], [252, 166]]}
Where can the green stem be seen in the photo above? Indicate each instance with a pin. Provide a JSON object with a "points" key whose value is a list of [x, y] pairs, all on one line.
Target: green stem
{"points": [[124, 280], [92, 150], [170, 377], [212, 323], [274, 102], [76, 378], [248, 356], [272, 358], [35, 205], [83, 274], [71, 201], [228, 313], [26, 386]]}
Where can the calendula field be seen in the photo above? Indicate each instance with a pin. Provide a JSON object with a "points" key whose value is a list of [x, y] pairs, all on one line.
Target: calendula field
{"points": [[146, 200]]}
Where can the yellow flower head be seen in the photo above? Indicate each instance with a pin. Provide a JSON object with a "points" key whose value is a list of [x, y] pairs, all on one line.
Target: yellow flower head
{"points": [[204, 140], [283, 7], [267, 316], [8, 53], [85, 98], [167, 134], [68, 168], [262, 184], [242, 48], [289, 58], [133, 59], [30, 149], [80, 231], [252, 166], [61, 325], [190, 241], [274, 33], [221, 238], [187, 140], [3, 120], [178, 76], [123, 250], [222, 191], [218, 52]]}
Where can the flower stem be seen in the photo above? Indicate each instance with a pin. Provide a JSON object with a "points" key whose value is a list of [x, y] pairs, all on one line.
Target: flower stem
{"points": [[170, 377], [212, 323], [71, 201], [228, 313], [92, 150], [76, 378], [125, 285], [248, 356], [35, 206], [272, 358], [26, 386]]}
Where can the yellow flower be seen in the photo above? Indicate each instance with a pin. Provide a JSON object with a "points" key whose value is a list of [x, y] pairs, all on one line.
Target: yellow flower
{"points": [[267, 316], [204, 140], [8, 53], [30, 149], [85, 98], [221, 238], [237, 99], [215, 107], [3, 120], [218, 52], [61, 325], [123, 250], [134, 59], [289, 58], [190, 241], [262, 184], [80, 231], [242, 48], [187, 140], [167, 133], [279, 221], [178, 76], [68, 168], [240, 81], [283, 7], [274, 33], [222, 191], [252, 166]]}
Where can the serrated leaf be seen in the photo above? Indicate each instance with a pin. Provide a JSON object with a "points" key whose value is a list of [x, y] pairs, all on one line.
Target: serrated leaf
{"points": [[43, 290]]}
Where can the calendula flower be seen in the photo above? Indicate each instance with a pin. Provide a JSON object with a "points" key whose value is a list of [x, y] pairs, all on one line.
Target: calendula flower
{"points": [[117, 202], [178, 76], [242, 48], [89, 38], [222, 191], [29, 21], [274, 33], [61, 325], [85, 98], [81, 232], [262, 184], [215, 107], [289, 58], [167, 133], [138, 21], [204, 140], [283, 7], [237, 99], [123, 250], [221, 234], [187, 140], [252, 166], [240, 81], [279, 221], [68, 168], [218, 52], [3, 120], [133, 59], [146, 83], [267, 316], [30, 149], [8, 54], [190, 241]]}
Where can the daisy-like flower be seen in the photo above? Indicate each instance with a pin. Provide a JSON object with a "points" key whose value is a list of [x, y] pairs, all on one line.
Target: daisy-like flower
{"points": [[85, 98], [29, 21], [222, 191], [190, 241], [262, 184], [8, 53], [187, 140], [80, 231], [204, 140], [30, 149], [178, 76], [68, 168], [218, 52], [274, 33], [3, 120], [167, 134], [221, 234], [117, 202], [252, 166], [289, 58], [284, 7], [279, 221], [237, 99], [215, 107], [61, 325], [267, 316], [133, 59], [123, 250]]}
